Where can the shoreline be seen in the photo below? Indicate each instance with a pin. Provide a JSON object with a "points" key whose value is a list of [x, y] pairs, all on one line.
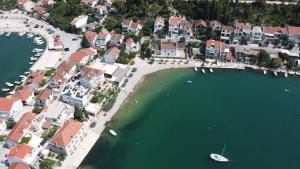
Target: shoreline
{"points": [[143, 70]]}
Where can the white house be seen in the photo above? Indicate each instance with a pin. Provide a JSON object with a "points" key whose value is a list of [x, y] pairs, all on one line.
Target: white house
{"points": [[75, 94], [26, 5], [91, 77], [26, 95], [67, 138], [166, 49], [102, 39], [256, 34], [159, 23], [226, 32], [215, 25], [131, 46], [174, 25], [135, 28], [80, 21], [10, 107], [213, 49], [101, 10], [126, 25], [111, 55]]}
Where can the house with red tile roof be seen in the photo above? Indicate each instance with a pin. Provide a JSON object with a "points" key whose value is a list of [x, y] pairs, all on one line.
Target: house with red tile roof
{"points": [[2, 126], [226, 32], [88, 3], [18, 166], [241, 29], [91, 77], [83, 56], [213, 49], [102, 39], [44, 97], [66, 69], [10, 107], [91, 37], [101, 10], [26, 95], [271, 32], [174, 25], [67, 138], [19, 130], [116, 39], [159, 23], [39, 10], [131, 46], [20, 154], [293, 33], [80, 21], [111, 55], [26, 5], [165, 49], [135, 28], [56, 81], [200, 25], [126, 23]]}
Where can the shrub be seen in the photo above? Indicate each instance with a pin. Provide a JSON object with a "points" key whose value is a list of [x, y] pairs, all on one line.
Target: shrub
{"points": [[93, 124]]}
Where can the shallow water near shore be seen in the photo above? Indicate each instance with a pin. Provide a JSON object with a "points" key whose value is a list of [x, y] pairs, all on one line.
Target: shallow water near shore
{"points": [[176, 125], [15, 53]]}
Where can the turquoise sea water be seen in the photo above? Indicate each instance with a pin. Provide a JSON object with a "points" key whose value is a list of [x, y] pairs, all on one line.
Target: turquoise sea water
{"points": [[176, 125], [15, 53]]}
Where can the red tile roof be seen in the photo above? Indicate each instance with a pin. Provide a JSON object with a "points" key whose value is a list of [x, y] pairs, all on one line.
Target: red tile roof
{"points": [[200, 22], [65, 134], [168, 46], [90, 36], [44, 95], [88, 51], [58, 77], [226, 27], [19, 151], [159, 19], [77, 57], [116, 37], [46, 125], [215, 43], [17, 131], [7, 103], [64, 68], [37, 77], [129, 41], [39, 10], [174, 21], [102, 35], [113, 52], [134, 25], [294, 30], [99, 6], [24, 93], [22, 1], [18, 166]]}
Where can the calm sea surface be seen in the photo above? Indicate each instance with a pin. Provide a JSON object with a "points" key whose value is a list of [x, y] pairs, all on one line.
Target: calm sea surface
{"points": [[176, 125], [15, 53]]}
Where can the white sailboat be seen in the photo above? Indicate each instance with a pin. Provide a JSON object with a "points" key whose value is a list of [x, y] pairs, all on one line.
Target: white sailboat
{"points": [[211, 70], [189, 81], [286, 75], [275, 73], [9, 84], [5, 89], [265, 72], [8, 34], [203, 71], [219, 158], [196, 69]]}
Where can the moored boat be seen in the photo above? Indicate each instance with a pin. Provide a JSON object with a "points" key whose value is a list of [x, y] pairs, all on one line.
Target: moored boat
{"points": [[5, 89], [22, 76], [218, 157], [26, 73], [211, 70], [112, 132], [9, 84], [196, 69], [275, 73], [17, 82], [286, 75], [203, 71], [189, 81], [31, 63], [8, 34], [33, 58], [265, 72]]}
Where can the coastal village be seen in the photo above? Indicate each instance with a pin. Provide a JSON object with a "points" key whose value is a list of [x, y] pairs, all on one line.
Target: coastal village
{"points": [[55, 114]]}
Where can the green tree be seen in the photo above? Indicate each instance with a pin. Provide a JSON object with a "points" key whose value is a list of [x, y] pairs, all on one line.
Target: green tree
{"points": [[80, 114], [47, 164], [263, 58], [85, 43], [276, 63], [112, 23]]}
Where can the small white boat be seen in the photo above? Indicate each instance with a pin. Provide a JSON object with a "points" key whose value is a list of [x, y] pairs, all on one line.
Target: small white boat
{"points": [[40, 43], [189, 81], [26, 73], [286, 90], [9, 84], [112, 132], [298, 73], [21, 33], [38, 54], [1, 33], [8, 34], [30, 35], [211, 70], [22, 76], [5, 89], [33, 58], [219, 158], [37, 50], [275, 73], [265, 72], [31, 63], [12, 92], [196, 69], [17, 82], [203, 71], [286, 75]]}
